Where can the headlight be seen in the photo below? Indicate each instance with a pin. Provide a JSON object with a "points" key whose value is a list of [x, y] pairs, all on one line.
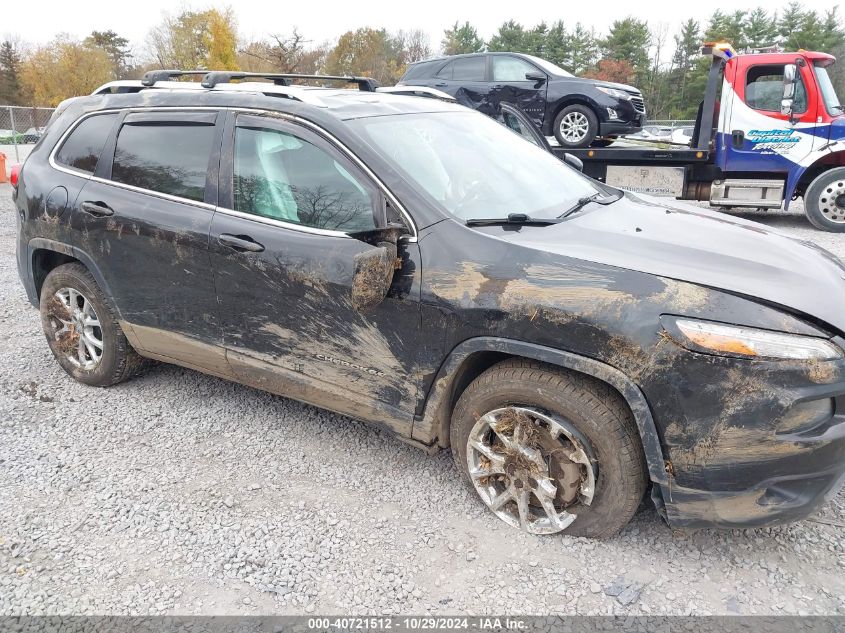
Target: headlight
{"points": [[746, 342], [613, 92]]}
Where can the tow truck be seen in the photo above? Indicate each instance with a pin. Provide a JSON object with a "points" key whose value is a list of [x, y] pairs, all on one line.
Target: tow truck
{"points": [[774, 134]]}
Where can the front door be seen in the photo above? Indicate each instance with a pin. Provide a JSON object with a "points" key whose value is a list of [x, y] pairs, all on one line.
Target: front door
{"points": [[510, 85], [145, 218], [760, 138], [283, 263]]}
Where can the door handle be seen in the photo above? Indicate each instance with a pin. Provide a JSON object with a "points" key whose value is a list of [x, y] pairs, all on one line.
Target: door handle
{"points": [[737, 139], [97, 209], [442, 84], [242, 243]]}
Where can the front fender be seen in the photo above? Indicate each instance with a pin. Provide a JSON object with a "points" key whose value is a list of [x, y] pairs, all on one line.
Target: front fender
{"points": [[433, 424]]}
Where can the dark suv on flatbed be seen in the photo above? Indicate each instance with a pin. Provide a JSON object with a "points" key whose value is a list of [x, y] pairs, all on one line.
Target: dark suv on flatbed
{"points": [[579, 112], [417, 265]]}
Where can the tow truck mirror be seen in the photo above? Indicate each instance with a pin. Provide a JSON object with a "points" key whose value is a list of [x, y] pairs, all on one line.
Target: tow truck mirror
{"points": [[790, 72]]}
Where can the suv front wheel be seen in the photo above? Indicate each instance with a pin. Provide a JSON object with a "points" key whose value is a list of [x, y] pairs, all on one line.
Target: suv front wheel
{"points": [[576, 126], [549, 450], [82, 329]]}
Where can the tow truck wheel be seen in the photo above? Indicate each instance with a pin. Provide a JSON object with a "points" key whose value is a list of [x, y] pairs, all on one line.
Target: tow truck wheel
{"points": [[824, 201]]}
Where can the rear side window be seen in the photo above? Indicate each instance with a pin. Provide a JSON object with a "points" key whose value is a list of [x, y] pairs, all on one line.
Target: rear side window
{"points": [[468, 69], [416, 71], [170, 158], [445, 72], [81, 150]]}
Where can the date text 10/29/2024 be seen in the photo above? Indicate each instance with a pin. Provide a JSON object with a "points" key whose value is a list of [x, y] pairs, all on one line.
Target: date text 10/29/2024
{"points": [[421, 623]]}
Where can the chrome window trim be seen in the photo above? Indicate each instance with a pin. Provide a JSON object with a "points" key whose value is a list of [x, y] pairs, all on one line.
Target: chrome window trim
{"points": [[392, 199]]}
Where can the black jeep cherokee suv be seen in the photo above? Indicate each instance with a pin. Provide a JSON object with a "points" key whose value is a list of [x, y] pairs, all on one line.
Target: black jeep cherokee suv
{"points": [[417, 265], [575, 110]]}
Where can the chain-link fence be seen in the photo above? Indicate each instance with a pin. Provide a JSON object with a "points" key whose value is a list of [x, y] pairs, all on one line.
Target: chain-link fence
{"points": [[20, 129]]}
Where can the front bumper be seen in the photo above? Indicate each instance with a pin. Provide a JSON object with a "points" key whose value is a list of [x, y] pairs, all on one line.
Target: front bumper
{"points": [[750, 443], [616, 128]]}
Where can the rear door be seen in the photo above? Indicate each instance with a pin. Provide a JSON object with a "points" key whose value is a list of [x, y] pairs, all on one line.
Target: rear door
{"points": [[509, 84], [145, 216], [283, 263], [466, 79]]}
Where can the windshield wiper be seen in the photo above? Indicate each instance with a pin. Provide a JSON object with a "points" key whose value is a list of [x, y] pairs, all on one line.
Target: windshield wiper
{"points": [[513, 218], [600, 198]]}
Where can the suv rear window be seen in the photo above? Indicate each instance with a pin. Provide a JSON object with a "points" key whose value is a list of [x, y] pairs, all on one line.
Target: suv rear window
{"points": [[170, 158], [81, 150]]}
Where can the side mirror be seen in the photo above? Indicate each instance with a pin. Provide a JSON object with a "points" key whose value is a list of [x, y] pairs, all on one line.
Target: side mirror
{"points": [[536, 76], [790, 73], [573, 161], [374, 268]]}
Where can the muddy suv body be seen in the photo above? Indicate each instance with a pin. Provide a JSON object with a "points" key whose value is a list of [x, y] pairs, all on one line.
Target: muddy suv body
{"points": [[320, 245]]}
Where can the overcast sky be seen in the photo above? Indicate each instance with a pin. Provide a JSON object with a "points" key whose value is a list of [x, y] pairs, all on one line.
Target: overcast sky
{"points": [[37, 21]]}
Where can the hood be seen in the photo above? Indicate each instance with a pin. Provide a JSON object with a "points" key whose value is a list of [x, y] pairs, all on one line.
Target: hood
{"points": [[671, 239], [623, 87]]}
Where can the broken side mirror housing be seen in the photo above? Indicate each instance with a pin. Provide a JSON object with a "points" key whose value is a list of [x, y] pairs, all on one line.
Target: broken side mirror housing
{"points": [[573, 161], [375, 267]]}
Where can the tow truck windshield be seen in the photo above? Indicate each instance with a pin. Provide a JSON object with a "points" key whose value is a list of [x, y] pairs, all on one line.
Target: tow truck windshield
{"points": [[831, 100]]}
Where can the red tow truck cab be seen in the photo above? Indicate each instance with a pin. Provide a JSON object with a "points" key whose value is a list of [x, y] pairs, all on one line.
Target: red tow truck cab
{"points": [[770, 129]]}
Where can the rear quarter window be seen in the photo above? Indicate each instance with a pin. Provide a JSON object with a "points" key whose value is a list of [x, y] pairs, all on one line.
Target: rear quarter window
{"points": [[82, 148], [169, 158]]}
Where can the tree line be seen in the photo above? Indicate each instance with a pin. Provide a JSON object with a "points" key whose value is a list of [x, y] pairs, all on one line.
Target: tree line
{"points": [[631, 52]]}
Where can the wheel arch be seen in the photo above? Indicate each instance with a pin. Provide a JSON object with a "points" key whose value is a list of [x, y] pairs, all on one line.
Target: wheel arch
{"points": [[46, 255], [472, 357], [798, 183]]}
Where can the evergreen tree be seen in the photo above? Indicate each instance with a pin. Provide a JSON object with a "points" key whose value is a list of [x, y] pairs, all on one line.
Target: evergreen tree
{"points": [[461, 39], [116, 47], [558, 45], [10, 68], [629, 40], [583, 50], [760, 29], [510, 37]]}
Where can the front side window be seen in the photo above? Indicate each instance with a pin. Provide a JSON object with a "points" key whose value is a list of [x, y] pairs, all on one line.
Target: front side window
{"points": [[506, 68], [81, 150], [169, 158], [764, 89], [282, 176], [472, 167], [468, 69]]}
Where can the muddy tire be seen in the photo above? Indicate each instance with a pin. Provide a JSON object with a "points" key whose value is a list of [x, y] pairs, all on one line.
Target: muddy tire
{"points": [[576, 126], [824, 201], [82, 329], [596, 418]]}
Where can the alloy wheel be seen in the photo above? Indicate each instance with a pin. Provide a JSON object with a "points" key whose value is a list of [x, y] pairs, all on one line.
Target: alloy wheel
{"points": [[530, 468], [76, 328], [574, 127]]}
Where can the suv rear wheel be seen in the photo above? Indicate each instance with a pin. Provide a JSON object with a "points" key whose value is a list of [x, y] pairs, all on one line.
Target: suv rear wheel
{"points": [[576, 126], [548, 450], [82, 330]]}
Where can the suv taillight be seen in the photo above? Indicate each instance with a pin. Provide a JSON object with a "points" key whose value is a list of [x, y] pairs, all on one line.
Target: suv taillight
{"points": [[13, 177]]}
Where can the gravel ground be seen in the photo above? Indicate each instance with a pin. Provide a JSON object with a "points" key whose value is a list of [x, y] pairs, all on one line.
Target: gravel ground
{"points": [[180, 493]]}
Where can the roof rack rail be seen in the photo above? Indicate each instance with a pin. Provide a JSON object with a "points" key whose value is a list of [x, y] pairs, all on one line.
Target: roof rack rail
{"points": [[215, 77], [150, 78]]}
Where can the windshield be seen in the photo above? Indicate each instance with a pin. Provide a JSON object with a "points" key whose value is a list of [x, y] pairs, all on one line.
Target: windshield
{"points": [[473, 166], [831, 101], [549, 67]]}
